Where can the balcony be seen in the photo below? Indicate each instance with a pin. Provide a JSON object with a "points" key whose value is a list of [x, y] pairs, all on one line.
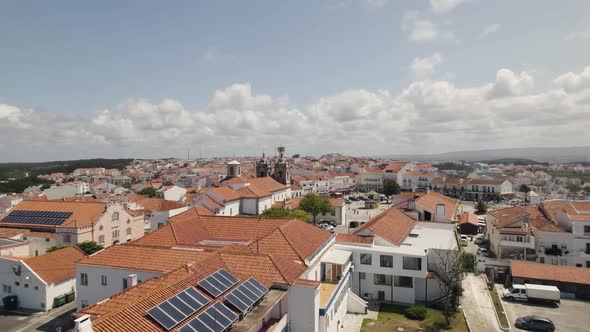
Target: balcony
{"points": [[553, 251], [518, 241], [335, 273]]}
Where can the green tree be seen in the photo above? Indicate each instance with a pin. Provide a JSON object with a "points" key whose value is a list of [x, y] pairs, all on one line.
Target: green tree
{"points": [[57, 247], [526, 190], [481, 207], [148, 191], [573, 187], [314, 205], [168, 183], [391, 187], [284, 213], [45, 186], [126, 185], [89, 247]]}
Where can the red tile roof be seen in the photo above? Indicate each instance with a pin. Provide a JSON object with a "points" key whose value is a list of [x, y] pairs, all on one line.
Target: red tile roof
{"points": [[467, 217], [352, 238], [392, 225], [158, 204], [530, 270], [57, 265], [432, 199], [226, 193]]}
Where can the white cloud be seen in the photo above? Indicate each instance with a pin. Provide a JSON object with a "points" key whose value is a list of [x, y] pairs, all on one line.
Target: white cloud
{"points": [[213, 55], [425, 117], [421, 29], [444, 6], [578, 35], [488, 30], [572, 82], [422, 67], [377, 3], [509, 84]]}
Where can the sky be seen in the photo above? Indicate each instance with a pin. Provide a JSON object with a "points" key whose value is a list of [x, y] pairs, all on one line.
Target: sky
{"points": [[152, 79]]}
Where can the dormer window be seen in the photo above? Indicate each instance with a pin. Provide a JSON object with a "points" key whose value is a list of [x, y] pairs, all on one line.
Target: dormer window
{"points": [[115, 216]]}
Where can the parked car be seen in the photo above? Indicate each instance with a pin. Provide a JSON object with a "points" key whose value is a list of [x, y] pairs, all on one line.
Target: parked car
{"points": [[535, 323], [354, 224], [464, 237], [483, 252], [532, 292]]}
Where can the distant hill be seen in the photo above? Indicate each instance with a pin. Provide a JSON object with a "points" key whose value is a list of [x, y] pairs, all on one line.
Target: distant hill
{"points": [[515, 161], [20, 170], [552, 155]]}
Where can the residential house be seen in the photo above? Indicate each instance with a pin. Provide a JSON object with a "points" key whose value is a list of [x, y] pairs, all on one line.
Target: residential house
{"points": [[39, 282], [509, 231]]}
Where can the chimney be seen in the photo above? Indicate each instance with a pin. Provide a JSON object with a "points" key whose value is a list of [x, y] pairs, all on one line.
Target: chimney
{"points": [[132, 280], [83, 324]]}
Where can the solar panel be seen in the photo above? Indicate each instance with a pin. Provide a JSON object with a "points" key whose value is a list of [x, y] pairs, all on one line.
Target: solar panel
{"points": [[177, 308], [37, 217], [216, 318], [218, 282], [245, 295]]}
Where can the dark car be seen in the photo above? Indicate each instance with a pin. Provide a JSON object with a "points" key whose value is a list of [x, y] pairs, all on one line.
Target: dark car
{"points": [[535, 323]]}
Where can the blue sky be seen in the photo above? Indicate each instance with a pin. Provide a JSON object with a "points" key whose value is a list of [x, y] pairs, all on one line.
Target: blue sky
{"points": [[67, 61]]}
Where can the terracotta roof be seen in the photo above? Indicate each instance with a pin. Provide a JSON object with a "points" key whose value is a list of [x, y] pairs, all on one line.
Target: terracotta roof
{"points": [[543, 224], [467, 217], [226, 193], [508, 216], [126, 311], [432, 199], [83, 213], [392, 225], [553, 207], [530, 270], [352, 238], [292, 238], [143, 258], [57, 265], [158, 204], [266, 184]]}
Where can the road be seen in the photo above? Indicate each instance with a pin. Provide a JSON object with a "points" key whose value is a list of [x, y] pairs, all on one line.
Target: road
{"points": [[59, 319], [478, 306]]}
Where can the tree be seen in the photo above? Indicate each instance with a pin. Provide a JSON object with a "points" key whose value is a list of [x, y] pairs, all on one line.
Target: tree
{"points": [[314, 205], [448, 265], [526, 190], [573, 187], [284, 213], [126, 185], [45, 186], [89, 247], [391, 187], [481, 207], [168, 183], [57, 247], [148, 191]]}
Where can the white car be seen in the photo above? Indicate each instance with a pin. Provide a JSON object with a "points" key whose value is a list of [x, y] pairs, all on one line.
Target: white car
{"points": [[464, 237], [483, 252]]}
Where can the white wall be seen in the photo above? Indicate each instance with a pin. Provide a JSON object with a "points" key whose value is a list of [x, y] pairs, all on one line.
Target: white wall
{"points": [[28, 297], [18, 250], [248, 206], [95, 291], [303, 308]]}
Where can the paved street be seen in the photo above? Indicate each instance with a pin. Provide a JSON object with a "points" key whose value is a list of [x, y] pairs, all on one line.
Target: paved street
{"points": [[57, 320], [478, 306]]}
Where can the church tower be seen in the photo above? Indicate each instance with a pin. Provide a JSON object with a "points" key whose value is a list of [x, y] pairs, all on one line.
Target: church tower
{"points": [[234, 169], [262, 167], [281, 173]]}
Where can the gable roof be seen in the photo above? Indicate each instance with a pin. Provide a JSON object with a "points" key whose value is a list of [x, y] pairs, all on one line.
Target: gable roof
{"points": [[392, 225], [432, 199], [468, 217], [561, 273], [227, 194], [158, 204], [56, 266], [508, 216]]}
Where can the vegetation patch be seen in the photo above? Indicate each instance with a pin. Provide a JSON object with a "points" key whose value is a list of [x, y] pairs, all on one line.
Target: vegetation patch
{"points": [[391, 317], [499, 309]]}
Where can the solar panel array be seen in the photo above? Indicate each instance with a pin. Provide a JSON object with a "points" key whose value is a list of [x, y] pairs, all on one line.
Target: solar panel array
{"points": [[245, 295], [176, 309], [218, 282], [216, 318], [41, 214], [37, 217]]}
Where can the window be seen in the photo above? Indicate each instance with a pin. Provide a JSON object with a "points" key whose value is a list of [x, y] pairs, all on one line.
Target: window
{"points": [[231, 211], [7, 288], [115, 216], [362, 275], [47, 240], [16, 283], [101, 239], [84, 303], [333, 212], [115, 234], [412, 263], [26, 285], [36, 288], [128, 231], [125, 283], [100, 228], [382, 279], [67, 238], [366, 259], [103, 280], [386, 261], [586, 229], [83, 279], [406, 282]]}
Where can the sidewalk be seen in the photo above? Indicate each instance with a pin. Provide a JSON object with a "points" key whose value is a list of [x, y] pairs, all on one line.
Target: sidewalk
{"points": [[353, 322], [477, 306]]}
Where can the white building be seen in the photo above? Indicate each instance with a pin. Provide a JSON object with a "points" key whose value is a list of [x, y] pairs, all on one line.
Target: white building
{"points": [[38, 281], [393, 254]]}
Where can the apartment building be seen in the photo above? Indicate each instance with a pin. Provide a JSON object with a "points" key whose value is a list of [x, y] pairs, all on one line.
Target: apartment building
{"points": [[509, 231]]}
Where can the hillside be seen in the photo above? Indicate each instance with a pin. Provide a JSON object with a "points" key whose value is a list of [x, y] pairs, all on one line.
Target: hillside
{"points": [[21, 170]]}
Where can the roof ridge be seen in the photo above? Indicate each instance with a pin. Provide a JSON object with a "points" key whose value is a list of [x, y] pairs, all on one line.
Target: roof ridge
{"points": [[280, 228]]}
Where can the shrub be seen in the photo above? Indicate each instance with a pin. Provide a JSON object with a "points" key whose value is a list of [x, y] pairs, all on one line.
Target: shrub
{"points": [[415, 312], [491, 284]]}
